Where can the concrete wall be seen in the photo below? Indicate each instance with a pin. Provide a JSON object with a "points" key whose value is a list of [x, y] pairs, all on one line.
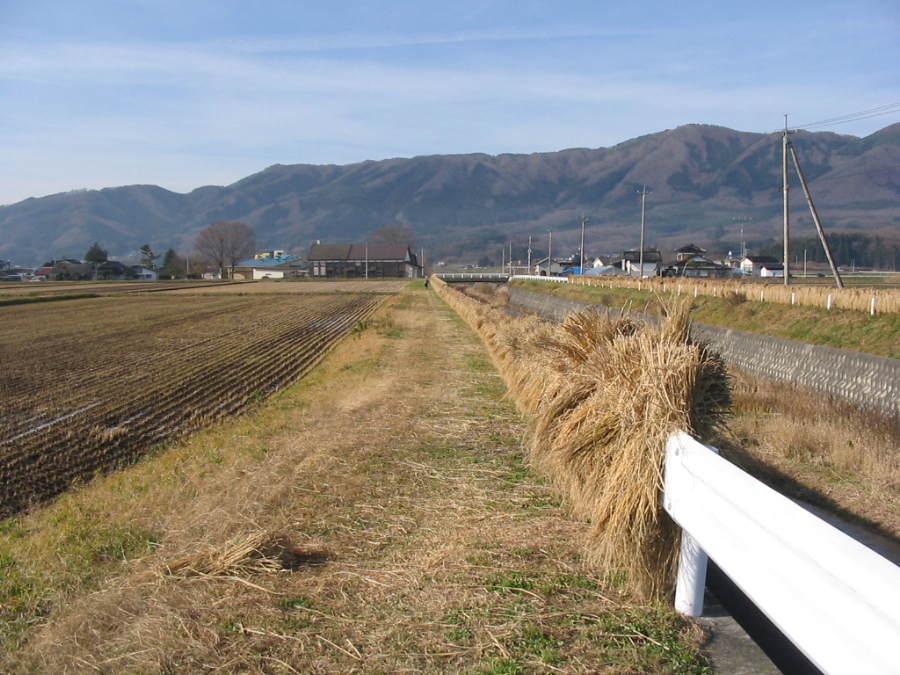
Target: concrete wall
{"points": [[871, 382]]}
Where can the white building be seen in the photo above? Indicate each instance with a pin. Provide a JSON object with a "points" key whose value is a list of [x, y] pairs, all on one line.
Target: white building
{"points": [[762, 266]]}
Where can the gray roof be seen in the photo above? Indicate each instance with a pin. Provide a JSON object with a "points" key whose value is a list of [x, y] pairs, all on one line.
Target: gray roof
{"points": [[393, 252], [329, 252], [381, 252]]}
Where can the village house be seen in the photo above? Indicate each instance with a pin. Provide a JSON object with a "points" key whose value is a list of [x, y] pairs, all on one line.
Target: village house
{"points": [[691, 261], [652, 263], [274, 264], [113, 270], [360, 261], [142, 273], [762, 266], [546, 267]]}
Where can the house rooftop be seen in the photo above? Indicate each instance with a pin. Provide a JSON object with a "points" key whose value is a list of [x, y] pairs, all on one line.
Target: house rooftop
{"points": [[360, 252], [269, 260]]}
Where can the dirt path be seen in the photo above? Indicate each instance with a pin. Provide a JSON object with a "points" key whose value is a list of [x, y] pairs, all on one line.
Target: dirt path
{"points": [[421, 543]]}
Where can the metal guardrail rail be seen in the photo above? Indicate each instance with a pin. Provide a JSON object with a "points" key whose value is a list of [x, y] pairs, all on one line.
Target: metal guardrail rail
{"points": [[473, 277], [835, 599]]}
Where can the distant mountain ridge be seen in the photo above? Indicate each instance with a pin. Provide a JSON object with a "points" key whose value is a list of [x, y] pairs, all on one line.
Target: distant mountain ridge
{"points": [[707, 184]]}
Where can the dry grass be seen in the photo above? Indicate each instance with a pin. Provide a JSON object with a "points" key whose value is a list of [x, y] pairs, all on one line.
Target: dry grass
{"points": [[818, 450], [604, 395], [247, 553], [858, 299]]}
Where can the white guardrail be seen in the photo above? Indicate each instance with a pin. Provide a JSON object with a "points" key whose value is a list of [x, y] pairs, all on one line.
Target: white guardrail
{"points": [[535, 277], [834, 598]]}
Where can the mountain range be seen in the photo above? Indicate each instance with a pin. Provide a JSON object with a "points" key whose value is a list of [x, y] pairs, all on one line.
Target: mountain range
{"points": [[709, 185]]}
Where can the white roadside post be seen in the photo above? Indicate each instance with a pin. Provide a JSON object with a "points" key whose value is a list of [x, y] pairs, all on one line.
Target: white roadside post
{"points": [[690, 583]]}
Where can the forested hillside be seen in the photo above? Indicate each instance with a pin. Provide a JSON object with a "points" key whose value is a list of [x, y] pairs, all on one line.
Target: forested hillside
{"points": [[710, 185]]}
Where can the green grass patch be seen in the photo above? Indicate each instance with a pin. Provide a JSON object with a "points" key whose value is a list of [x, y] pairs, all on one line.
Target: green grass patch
{"points": [[362, 367], [651, 640], [83, 550], [508, 581]]}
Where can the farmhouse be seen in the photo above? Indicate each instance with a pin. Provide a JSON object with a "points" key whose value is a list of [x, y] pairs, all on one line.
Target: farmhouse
{"points": [[145, 273], [546, 267], [113, 270], [631, 262], [762, 266], [66, 270], [689, 251], [273, 264], [691, 261], [355, 261]]}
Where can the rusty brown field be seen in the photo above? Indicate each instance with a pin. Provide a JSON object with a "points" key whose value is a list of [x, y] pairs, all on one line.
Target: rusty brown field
{"points": [[305, 286], [87, 384]]}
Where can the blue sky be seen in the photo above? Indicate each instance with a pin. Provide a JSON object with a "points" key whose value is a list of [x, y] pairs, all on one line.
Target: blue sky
{"points": [[101, 93]]}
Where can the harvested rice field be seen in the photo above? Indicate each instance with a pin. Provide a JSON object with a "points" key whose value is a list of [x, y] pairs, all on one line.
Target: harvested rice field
{"points": [[55, 289], [308, 286], [379, 516], [87, 384]]}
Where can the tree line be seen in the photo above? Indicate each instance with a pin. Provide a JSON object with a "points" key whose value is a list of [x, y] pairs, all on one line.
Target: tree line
{"points": [[860, 250], [223, 244]]}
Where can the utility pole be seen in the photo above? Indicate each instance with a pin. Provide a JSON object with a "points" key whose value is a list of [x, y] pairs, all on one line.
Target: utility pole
{"points": [[815, 217], [550, 253], [643, 222], [787, 209], [529, 254], [583, 221], [742, 220]]}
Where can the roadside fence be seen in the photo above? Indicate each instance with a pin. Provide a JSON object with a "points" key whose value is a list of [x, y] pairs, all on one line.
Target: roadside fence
{"points": [[835, 599]]}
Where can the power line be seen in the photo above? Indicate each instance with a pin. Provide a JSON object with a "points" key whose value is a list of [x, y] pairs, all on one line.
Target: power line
{"points": [[853, 117], [859, 173]]}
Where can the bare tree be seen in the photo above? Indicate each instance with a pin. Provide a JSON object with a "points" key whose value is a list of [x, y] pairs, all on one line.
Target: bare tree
{"points": [[393, 234], [226, 243]]}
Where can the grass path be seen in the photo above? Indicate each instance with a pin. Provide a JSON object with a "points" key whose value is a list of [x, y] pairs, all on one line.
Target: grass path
{"points": [[421, 541]]}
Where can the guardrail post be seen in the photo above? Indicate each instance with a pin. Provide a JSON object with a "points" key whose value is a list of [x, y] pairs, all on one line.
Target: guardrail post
{"points": [[690, 584]]}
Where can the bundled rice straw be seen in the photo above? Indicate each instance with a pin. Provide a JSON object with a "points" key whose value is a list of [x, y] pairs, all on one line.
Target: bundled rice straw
{"points": [[604, 395]]}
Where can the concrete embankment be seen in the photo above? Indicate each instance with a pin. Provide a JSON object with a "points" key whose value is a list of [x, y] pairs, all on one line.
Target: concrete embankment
{"points": [[869, 381]]}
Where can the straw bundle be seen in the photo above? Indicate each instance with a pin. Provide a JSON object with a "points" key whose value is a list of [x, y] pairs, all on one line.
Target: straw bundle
{"points": [[622, 390]]}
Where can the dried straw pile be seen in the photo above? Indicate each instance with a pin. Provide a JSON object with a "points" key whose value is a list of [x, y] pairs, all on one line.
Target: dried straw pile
{"points": [[248, 553], [603, 395]]}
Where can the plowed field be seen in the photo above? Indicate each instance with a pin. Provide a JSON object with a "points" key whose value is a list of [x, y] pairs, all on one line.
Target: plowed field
{"points": [[87, 384]]}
